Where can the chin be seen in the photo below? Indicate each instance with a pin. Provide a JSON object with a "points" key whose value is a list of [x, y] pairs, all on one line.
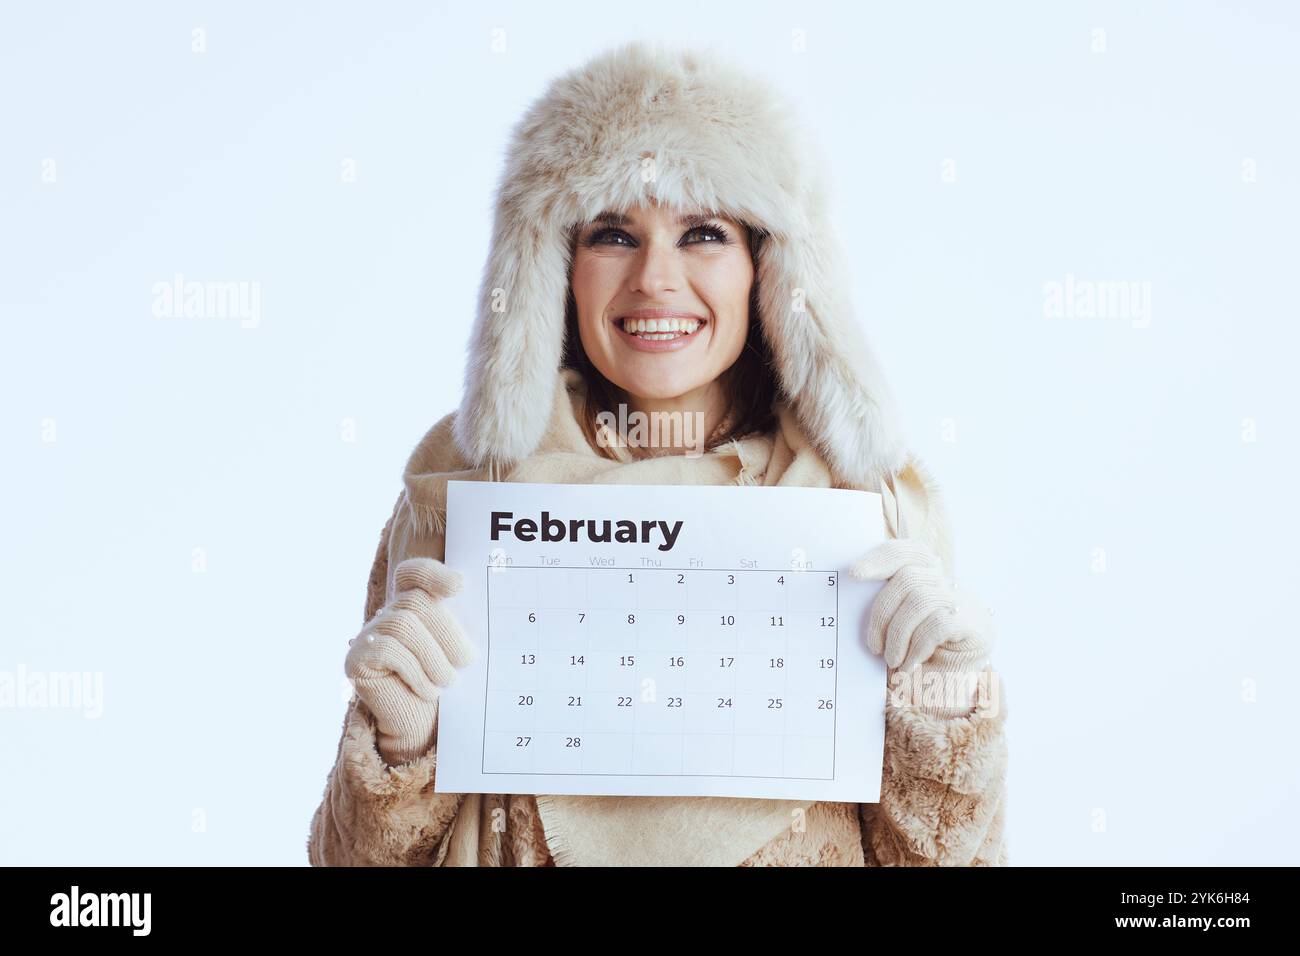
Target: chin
{"points": [[660, 384]]}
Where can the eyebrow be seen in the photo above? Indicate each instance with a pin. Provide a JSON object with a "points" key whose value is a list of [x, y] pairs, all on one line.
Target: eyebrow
{"points": [[609, 218]]}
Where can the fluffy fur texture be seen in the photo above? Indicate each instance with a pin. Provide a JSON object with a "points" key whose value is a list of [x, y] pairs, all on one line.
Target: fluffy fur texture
{"points": [[691, 131]]}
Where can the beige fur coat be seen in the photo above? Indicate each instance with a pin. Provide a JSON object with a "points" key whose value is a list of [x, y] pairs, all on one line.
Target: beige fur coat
{"points": [[943, 796]]}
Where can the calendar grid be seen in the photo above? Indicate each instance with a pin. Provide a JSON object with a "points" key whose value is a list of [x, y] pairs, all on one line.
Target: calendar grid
{"points": [[784, 736]]}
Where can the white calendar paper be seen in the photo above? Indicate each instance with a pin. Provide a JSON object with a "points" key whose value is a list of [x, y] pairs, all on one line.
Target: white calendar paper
{"points": [[663, 640]]}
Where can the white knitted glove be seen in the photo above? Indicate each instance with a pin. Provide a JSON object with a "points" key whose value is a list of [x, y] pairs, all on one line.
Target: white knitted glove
{"points": [[935, 638], [410, 649]]}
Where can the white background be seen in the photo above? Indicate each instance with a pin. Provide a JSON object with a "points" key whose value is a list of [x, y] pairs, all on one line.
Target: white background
{"points": [[1149, 703]]}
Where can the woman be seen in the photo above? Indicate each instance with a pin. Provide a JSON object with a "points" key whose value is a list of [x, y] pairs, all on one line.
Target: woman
{"points": [[657, 186]]}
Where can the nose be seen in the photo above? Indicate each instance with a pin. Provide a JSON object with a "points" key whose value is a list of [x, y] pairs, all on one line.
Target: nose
{"points": [[657, 269]]}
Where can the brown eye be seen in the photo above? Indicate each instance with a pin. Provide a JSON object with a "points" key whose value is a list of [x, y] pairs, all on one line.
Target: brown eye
{"points": [[713, 234], [605, 237]]}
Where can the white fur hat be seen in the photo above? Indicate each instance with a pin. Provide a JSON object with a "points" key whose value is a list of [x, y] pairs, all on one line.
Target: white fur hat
{"points": [[691, 131]]}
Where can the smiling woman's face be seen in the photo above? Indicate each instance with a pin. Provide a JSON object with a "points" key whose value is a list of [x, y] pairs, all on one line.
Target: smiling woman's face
{"points": [[662, 298]]}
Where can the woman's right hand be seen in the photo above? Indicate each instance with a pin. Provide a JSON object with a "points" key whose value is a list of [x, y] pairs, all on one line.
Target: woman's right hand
{"points": [[405, 654]]}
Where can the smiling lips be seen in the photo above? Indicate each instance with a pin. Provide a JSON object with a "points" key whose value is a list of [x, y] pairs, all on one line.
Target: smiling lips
{"points": [[658, 330]]}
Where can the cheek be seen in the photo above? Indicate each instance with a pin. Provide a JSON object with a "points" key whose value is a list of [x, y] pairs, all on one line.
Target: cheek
{"points": [[725, 289], [596, 278], [593, 288]]}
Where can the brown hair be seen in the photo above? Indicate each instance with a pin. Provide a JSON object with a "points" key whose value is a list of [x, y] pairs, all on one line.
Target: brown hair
{"points": [[749, 384]]}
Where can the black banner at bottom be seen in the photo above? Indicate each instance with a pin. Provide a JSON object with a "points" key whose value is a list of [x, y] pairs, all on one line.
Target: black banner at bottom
{"points": [[300, 905]]}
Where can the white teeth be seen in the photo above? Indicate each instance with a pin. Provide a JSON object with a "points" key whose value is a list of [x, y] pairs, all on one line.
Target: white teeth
{"points": [[661, 328]]}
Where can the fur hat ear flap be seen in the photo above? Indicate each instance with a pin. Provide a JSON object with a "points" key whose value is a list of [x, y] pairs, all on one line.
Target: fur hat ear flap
{"points": [[684, 128], [516, 342], [826, 369]]}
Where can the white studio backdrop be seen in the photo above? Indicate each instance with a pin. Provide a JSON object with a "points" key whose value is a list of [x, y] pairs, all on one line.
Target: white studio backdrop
{"points": [[193, 503]]}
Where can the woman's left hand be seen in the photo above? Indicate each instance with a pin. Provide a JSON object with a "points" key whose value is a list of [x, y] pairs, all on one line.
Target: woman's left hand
{"points": [[920, 619]]}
